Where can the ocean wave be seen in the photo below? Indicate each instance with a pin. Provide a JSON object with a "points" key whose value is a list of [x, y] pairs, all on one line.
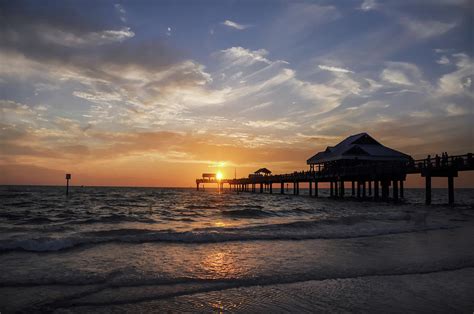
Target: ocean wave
{"points": [[49, 244], [247, 213]]}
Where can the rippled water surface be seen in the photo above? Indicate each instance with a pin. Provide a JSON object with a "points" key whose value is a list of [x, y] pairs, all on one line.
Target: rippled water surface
{"points": [[103, 248]]}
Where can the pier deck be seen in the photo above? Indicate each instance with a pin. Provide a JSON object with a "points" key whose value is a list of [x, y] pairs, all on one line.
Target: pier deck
{"points": [[365, 180]]}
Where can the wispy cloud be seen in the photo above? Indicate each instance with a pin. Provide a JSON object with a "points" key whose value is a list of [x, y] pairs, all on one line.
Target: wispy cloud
{"points": [[334, 69], [121, 12], [443, 60], [235, 25], [368, 5], [63, 38], [427, 28]]}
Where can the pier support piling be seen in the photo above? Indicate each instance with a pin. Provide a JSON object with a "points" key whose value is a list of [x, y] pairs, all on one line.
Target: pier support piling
{"points": [[342, 188], [331, 189], [395, 190], [261, 187], [310, 188], [385, 189], [358, 189], [402, 192], [282, 188], [353, 188], [370, 188], [376, 190], [428, 190], [450, 190], [315, 188], [271, 187]]}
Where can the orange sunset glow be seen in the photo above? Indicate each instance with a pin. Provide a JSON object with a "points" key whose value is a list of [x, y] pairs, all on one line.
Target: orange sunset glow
{"points": [[121, 102]]}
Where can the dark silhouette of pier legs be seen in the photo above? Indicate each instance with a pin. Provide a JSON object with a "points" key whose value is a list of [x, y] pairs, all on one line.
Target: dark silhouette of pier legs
{"points": [[197, 186], [370, 188], [402, 192], [363, 190], [395, 190], [342, 188], [450, 190], [294, 188], [358, 189], [282, 188], [310, 188], [261, 187], [315, 188], [336, 190], [385, 189], [331, 189], [297, 188], [353, 188], [428, 190], [271, 188], [376, 190]]}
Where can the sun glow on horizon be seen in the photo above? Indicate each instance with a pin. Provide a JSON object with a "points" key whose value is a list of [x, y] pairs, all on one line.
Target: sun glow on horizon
{"points": [[219, 175]]}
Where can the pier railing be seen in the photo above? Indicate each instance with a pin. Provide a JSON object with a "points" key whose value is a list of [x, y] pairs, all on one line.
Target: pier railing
{"points": [[457, 162]]}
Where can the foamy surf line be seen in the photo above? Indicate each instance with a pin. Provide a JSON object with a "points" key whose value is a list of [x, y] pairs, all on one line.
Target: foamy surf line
{"points": [[45, 244]]}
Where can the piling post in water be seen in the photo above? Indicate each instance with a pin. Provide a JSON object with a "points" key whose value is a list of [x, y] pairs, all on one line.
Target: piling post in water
{"points": [[68, 177], [376, 190], [282, 188], [342, 188], [451, 190], [315, 188], [402, 193], [331, 189], [353, 188], [310, 188], [395, 190], [428, 189]]}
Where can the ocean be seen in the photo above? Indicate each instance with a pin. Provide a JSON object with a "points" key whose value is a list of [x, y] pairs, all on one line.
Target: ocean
{"points": [[108, 249]]}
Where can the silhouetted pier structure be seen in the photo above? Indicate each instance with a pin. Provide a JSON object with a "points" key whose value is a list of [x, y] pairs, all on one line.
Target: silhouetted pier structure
{"points": [[369, 167]]}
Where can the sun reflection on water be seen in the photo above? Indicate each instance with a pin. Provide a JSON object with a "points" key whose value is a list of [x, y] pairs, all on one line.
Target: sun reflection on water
{"points": [[220, 264]]}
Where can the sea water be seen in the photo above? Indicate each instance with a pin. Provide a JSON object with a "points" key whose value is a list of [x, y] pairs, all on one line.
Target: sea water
{"points": [[105, 249]]}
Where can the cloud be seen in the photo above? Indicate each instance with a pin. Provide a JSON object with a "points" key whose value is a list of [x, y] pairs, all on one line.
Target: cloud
{"points": [[443, 60], [368, 5], [235, 25], [425, 29], [459, 81], [121, 12], [60, 37], [334, 69], [244, 57], [402, 73]]}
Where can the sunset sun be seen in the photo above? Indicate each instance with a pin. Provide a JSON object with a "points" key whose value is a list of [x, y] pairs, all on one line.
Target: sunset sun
{"points": [[219, 175]]}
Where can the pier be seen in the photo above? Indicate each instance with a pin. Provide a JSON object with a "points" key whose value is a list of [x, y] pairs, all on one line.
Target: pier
{"points": [[362, 163]]}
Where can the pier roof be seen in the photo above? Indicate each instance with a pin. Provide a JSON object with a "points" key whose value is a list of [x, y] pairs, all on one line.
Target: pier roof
{"points": [[263, 170], [361, 147]]}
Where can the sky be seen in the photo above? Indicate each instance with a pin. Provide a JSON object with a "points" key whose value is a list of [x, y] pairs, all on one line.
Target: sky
{"points": [[154, 93]]}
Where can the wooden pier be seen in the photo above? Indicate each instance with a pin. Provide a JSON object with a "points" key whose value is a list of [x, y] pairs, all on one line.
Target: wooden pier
{"points": [[368, 177]]}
